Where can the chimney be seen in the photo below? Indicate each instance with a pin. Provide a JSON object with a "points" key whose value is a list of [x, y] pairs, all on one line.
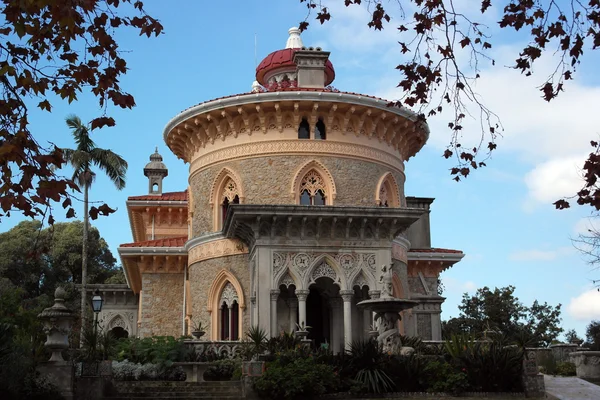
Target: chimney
{"points": [[310, 67]]}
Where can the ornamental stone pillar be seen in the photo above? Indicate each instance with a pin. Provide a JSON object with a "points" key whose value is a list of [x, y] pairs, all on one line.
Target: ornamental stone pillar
{"points": [[230, 321], [302, 295], [252, 310], [337, 335], [293, 306], [347, 298], [274, 297]]}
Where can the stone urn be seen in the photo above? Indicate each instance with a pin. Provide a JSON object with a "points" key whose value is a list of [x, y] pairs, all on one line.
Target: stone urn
{"points": [[57, 325], [198, 334]]}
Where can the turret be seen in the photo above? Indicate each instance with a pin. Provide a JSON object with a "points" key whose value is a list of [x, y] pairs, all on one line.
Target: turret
{"points": [[156, 171]]}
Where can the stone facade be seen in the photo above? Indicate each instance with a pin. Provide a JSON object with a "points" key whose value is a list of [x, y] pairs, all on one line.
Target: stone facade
{"points": [[162, 305], [268, 180], [201, 277]]}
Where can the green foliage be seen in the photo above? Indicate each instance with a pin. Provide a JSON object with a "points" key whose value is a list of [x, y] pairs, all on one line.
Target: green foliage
{"points": [[128, 371], [97, 345], [38, 260], [566, 369], [152, 350], [223, 370], [571, 336], [442, 377], [18, 376], [300, 378], [368, 361], [547, 363], [499, 310], [592, 335], [255, 343]]}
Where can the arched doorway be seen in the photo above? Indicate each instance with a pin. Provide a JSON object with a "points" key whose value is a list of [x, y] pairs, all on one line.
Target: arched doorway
{"points": [[119, 333], [322, 311]]}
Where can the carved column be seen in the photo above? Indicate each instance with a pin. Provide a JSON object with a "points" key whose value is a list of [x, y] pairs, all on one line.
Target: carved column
{"points": [[302, 295], [293, 306], [274, 297], [336, 316], [252, 310], [347, 297], [230, 321]]}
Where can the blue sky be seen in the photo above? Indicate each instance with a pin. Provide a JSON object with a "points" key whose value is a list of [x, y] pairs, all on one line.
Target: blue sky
{"points": [[501, 216]]}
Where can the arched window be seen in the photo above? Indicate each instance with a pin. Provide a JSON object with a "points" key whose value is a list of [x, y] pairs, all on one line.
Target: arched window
{"points": [[229, 313], [383, 196], [312, 189], [229, 196], [320, 130], [304, 129], [387, 194]]}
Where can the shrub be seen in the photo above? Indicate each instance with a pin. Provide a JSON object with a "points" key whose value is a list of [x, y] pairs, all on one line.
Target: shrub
{"points": [[152, 350], [221, 371], [129, 371], [440, 376], [368, 363], [299, 379], [566, 369]]}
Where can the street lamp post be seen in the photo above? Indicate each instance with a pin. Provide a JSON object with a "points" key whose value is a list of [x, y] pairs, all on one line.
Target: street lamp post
{"points": [[97, 302]]}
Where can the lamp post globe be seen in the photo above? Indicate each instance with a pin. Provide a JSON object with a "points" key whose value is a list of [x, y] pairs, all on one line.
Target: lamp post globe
{"points": [[97, 302]]}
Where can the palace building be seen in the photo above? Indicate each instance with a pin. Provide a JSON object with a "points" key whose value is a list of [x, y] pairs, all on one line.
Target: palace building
{"points": [[295, 199]]}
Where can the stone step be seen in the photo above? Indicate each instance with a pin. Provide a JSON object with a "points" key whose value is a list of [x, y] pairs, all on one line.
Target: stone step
{"points": [[212, 397], [180, 394]]}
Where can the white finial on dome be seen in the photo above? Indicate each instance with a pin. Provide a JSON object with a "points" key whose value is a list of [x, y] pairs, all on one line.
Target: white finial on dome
{"points": [[255, 87], [294, 41]]}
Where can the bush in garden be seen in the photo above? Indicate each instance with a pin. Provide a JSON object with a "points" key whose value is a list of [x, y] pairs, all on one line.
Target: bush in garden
{"points": [[221, 371], [152, 350], [368, 363], [566, 369], [298, 378], [129, 371], [440, 376]]}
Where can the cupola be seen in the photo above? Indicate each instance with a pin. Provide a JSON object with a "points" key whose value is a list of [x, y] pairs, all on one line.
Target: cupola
{"points": [[156, 171], [295, 66]]}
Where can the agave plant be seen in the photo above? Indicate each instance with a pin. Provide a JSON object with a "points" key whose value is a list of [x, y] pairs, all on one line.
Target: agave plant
{"points": [[367, 359]]}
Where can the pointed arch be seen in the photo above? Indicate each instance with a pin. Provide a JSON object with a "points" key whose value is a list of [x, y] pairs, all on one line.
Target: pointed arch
{"points": [[221, 280], [339, 278], [287, 278], [220, 193], [323, 172], [387, 193]]}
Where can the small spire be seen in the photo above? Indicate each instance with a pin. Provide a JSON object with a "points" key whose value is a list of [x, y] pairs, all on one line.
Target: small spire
{"points": [[255, 87], [294, 41]]}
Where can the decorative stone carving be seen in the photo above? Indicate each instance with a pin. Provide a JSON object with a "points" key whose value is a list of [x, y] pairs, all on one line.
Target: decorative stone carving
{"points": [[57, 325], [287, 280], [324, 270], [216, 248], [305, 146], [360, 281], [229, 295], [278, 263], [312, 182], [301, 262], [302, 294], [275, 294], [348, 263], [424, 326], [385, 281], [370, 263]]}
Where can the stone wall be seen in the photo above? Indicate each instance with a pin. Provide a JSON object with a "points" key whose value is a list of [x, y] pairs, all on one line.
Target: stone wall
{"points": [[202, 275], [268, 180], [162, 305]]}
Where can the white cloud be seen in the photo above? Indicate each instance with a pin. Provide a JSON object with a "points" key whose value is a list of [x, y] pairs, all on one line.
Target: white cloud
{"points": [[456, 286], [554, 179], [584, 225], [551, 136], [586, 306], [540, 255]]}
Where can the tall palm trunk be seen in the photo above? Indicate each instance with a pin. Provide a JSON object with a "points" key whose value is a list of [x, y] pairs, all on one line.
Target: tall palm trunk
{"points": [[84, 260]]}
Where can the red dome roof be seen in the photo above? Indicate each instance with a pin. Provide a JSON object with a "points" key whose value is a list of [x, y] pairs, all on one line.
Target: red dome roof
{"points": [[285, 58]]}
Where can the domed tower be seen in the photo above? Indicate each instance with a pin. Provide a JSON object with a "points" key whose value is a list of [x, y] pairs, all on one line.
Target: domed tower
{"points": [[156, 171], [295, 201]]}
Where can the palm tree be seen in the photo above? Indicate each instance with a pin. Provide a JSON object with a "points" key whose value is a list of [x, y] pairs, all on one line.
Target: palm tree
{"points": [[82, 159]]}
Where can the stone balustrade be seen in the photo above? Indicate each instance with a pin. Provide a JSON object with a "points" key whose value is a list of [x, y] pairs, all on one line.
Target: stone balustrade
{"points": [[227, 348], [587, 364]]}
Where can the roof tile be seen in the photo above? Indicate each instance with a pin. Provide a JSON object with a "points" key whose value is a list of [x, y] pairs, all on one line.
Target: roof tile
{"points": [[435, 250], [169, 196], [166, 242]]}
